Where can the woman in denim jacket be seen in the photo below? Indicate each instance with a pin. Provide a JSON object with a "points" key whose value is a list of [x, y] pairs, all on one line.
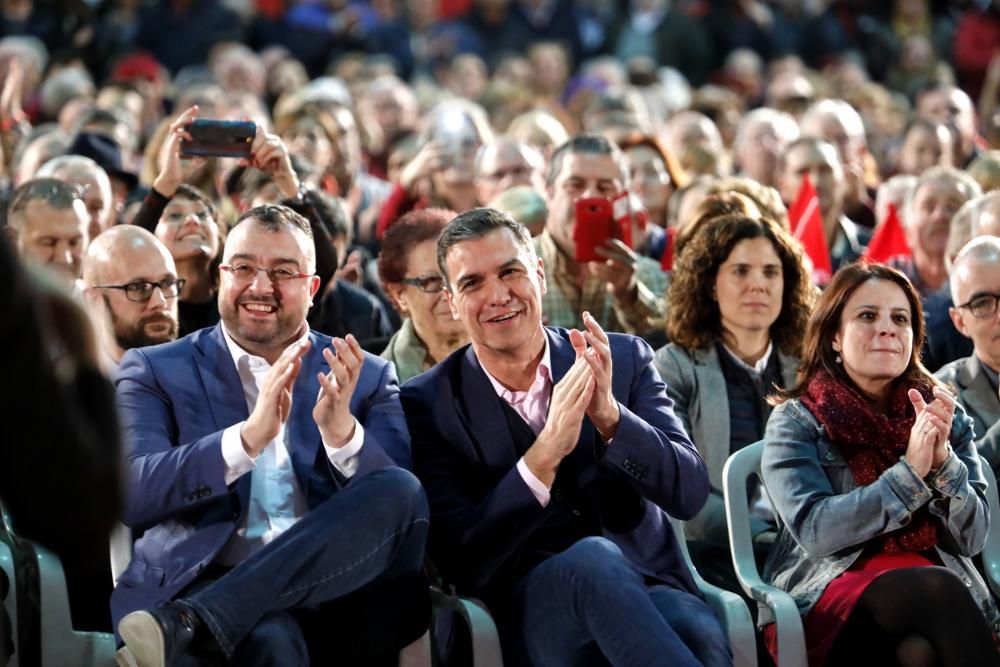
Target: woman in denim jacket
{"points": [[872, 470]]}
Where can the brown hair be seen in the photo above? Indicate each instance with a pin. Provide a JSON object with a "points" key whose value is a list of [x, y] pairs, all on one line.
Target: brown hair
{"points": [[711, 208], [695, 321], [404, 235], [678, 178], [817, 345]]}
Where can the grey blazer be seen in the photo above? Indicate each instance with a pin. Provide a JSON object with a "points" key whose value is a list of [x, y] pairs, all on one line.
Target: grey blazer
{"points": [[967, 379], [698, 388]]}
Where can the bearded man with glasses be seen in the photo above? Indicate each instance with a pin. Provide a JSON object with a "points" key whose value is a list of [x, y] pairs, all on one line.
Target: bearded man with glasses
{"points": [[267, 468], [975, 287], [131, 286]]}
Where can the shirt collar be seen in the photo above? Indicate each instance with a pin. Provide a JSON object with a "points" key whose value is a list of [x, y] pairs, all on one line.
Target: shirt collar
{"points": [[239, 354], [544, 370], [991, 374], [758, 367]]}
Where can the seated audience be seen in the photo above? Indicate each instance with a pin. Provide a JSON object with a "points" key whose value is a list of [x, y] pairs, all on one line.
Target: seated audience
{"points": [[408, 268], [761, 138], [130, 282], [925, 144], [551, 459], [874, 474], [244, 496], [95, 184], [739, 297], [504, 164], [975, 287]]}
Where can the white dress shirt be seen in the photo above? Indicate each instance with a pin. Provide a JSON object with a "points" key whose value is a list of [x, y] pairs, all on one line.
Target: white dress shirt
{"points": [[276, 500]]}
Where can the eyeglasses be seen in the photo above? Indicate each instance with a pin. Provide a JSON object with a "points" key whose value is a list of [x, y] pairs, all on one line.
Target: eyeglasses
{"points": [[245, 273], [141, 290], [982, 305], [430, 284]]}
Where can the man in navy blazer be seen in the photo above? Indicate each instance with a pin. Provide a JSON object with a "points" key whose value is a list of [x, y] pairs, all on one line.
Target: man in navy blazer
{"points": [[551, 459], [266, 470]]}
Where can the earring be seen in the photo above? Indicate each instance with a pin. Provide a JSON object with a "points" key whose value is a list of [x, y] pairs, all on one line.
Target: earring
{"points": [[838, 359]]}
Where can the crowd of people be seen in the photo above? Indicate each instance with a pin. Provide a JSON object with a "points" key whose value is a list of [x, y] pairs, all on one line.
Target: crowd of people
{"points": [[494, 290]]}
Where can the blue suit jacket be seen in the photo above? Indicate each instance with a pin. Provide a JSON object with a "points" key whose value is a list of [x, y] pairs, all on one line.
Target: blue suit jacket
{"points": [[483, 512], [175, 400]]}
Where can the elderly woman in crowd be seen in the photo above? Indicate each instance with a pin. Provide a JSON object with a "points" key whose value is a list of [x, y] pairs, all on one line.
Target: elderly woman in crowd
{"points": [[872, 470], [409, 271], [739, 299]]}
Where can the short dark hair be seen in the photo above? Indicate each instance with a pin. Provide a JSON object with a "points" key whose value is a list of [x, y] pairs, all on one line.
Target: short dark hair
{"points": [[57, 194], [404, 235], [273, 217], [476, 224], [592, 144]]}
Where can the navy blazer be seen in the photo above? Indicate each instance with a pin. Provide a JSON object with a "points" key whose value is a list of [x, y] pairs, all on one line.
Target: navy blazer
{"points": [[175, 400], [482, 511]]}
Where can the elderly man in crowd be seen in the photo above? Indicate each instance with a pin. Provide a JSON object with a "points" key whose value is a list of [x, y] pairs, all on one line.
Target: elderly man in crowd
{"points": [[48, 223], [975, 287], [504, 164], [97, 193], [761, 138], [132, 286]]}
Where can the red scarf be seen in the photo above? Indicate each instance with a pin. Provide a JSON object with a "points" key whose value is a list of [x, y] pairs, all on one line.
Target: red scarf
{"points": [[872, 442]]}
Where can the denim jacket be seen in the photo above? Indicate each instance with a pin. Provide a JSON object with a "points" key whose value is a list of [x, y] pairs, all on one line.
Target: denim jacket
{"points": [[826, 519]]}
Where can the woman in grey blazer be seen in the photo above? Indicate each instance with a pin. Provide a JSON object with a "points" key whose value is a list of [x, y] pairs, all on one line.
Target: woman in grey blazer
{"points": [[739, 299]]}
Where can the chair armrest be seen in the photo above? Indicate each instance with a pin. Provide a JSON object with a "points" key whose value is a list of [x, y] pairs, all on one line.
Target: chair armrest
{"points": [[10, 606], [991, 551], [732, 610], [483, 631]]}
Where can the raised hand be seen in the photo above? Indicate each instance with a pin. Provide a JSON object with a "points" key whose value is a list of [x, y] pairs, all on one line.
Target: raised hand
{"points": [[593, 346], [274, 403], [432, 157], [617, 270], [171, 172], [558, 438], [332, 412], [928, 445], [270, 154]]}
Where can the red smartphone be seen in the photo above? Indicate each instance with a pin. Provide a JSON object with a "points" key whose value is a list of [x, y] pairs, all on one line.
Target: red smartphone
{"points": [[219, 138], [595, 224]]}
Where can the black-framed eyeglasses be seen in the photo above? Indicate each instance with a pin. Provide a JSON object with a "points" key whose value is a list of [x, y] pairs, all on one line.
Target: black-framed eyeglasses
{"points": [[142, 290], [982, 305], [430, 284], [245, 273]]}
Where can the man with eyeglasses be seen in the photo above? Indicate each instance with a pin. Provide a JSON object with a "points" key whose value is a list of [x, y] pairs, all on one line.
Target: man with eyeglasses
{"points": [[975, 288], [130, 281], [47, 221], [267, 466]]}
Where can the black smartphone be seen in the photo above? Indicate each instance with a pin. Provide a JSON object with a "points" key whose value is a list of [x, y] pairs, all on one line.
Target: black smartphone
{"points": [[219, 138]]}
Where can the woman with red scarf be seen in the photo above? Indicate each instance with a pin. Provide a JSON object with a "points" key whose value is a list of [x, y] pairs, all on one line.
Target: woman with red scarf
{"points": [[872, 470]]}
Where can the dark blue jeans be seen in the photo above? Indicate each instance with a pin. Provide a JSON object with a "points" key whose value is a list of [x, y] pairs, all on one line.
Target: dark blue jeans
{"points": [[589, 607], [373, 531]]}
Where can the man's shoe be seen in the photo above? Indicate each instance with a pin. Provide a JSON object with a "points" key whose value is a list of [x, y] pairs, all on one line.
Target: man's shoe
{"points": [[158, 637]]}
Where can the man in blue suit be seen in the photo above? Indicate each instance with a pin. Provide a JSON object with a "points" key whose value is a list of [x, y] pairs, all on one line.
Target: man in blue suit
{"points": [[266, 471], [551, 459]]}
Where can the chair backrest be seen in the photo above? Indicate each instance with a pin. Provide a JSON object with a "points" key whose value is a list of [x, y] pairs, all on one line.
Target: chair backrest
{"points": [[9, 607], [738, 470], [729, 608], [991, 552]]}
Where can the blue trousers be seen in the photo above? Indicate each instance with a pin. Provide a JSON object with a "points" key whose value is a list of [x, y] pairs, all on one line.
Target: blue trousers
{"points": [[362, 539], [589, 606]]}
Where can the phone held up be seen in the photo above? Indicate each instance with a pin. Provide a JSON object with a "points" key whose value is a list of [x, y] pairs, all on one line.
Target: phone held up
{"points": [[599, 219], [219, 138]]}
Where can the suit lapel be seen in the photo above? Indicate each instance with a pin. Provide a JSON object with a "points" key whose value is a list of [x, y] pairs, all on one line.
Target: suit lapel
{"points": [[304, 440], [482, 415], [976, 392], [223, 390]]}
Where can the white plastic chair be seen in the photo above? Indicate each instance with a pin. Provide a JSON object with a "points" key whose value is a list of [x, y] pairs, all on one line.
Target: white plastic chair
{"points": [[735, 475], [9, 603], [729, 608], [482, 630]]}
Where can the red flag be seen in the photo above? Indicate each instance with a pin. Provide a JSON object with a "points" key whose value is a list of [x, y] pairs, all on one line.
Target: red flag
{"points": [[889, 239], [807, 226]]}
